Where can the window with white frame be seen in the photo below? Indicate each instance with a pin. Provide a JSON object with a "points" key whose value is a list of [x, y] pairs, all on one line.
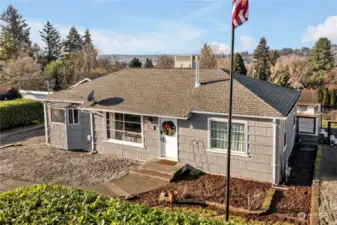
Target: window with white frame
{"points": [[57, 115], [73, 116], [218, 135], [124, 127]]}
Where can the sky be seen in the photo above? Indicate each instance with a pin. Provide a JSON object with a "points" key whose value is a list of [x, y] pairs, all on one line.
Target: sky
{"points": [[182, 26]]}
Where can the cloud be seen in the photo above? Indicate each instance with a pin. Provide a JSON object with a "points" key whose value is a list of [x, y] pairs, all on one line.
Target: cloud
{"points": [[247, 43], [219, 48], [166, 37], [328, 29]]}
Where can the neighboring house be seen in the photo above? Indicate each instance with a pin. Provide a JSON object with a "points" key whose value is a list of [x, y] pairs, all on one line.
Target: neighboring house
{"points": [[184, 61], [35, 95], [308, 113], [134, 108], [8, 92]]}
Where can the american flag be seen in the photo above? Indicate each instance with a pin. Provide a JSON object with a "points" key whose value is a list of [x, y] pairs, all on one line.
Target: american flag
{"points": [[240, 12]]}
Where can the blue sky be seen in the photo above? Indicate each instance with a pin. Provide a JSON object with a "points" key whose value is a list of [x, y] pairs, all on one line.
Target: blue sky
{"points": [[182, 26]]}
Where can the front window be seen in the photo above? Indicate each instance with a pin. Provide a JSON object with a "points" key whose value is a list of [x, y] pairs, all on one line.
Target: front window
{"points": [[73, 116], [124, 127], [57, 115], [219, 136]]}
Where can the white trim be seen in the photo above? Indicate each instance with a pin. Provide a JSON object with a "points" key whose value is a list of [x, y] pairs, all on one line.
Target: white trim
{"points": [[132, 113], [274, 151], [36, 92], [233, 152], [45, 107], [140, 145], [92, 132], [78, 112], [106, 139], [65, 101], [238, 115], [64, 112], [80, 82]]}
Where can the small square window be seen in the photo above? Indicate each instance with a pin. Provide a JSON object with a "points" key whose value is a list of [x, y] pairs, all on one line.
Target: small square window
{"points": [[57, 115]]}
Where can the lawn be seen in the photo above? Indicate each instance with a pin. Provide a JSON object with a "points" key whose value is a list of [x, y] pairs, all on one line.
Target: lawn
{"points": [[43, 204]]}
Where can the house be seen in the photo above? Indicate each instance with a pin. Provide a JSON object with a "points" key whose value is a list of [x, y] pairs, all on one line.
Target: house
{"points": [[308, 113], [184, 61], [35, 95], [169, 113]]}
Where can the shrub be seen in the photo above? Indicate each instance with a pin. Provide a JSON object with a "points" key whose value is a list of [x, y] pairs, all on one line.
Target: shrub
{"points": [[42, 204], [20, 112]]}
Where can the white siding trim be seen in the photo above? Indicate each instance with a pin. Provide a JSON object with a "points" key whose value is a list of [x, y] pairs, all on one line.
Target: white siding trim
{"points": [[92, 132], [274, 151], [45, 107], [238, 115], [233, 152]]}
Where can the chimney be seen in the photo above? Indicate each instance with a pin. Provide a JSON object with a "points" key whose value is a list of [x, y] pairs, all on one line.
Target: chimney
{"points": [[197, 72]]}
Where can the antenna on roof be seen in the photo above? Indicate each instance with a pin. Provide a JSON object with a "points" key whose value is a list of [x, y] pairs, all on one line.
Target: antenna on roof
{"points": [[91, 96]]}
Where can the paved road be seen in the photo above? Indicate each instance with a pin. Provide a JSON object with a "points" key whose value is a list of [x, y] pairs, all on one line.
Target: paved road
{"points": [[328, 188], [12, 138]]}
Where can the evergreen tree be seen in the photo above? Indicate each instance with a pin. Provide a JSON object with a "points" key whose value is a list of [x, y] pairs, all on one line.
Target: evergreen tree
{"points": [[274, 55], [261, 61], [52, 39], [148, 63], [14, 36], [87, 38], [332, 97], [207, 58], [239, 65], [135, 63], [74, 41], [325, 100], [321, 57]]}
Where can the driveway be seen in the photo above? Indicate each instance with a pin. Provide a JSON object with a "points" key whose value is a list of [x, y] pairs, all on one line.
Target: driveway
{"points": [[34, 162], [328, 187]]}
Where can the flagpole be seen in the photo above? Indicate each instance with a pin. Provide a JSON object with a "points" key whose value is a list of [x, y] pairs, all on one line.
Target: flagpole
{"points": [[229, 127]]}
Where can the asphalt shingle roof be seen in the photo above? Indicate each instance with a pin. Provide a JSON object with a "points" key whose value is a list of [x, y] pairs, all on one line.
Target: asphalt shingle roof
{"points": [[171, 92]]}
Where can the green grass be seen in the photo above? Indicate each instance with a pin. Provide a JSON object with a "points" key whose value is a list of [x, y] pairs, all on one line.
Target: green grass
{"points": [[43, 204], [325, 124]]}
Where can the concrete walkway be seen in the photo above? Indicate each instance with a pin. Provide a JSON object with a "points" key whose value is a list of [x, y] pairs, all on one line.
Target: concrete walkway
{"points": [[328, 186], [150, 175], [21, 133]]}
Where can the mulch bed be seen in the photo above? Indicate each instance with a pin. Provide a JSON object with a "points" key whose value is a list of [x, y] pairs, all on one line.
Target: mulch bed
{"points": [[244, 193]]}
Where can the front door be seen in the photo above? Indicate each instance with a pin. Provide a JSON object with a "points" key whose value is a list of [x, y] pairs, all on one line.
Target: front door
{"points": [[169, 138]]}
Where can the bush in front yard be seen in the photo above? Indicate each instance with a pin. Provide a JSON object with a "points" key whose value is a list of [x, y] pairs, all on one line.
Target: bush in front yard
{"points": [[20, 112], [42, 204]]}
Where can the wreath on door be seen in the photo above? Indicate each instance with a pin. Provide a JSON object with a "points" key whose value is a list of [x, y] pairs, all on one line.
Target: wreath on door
{"points": [[168, 128]]}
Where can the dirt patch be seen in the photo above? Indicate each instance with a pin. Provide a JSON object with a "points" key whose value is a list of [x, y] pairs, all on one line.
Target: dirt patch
{"points": [[39, 163], [244, 194], [302, 165]]}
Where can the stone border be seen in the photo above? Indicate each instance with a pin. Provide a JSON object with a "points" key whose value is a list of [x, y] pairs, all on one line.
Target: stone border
{"points": [[314, 217]]}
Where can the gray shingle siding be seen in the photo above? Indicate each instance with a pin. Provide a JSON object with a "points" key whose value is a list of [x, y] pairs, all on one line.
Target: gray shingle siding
{"points": [[257, 166], [151, 147]]}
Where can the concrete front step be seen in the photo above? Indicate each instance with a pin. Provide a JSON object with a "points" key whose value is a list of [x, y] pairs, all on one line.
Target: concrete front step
{"points": [[154, 165], [152, 174]]}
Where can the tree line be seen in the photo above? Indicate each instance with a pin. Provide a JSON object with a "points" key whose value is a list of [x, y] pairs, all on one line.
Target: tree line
{"points": [[60, 62]]}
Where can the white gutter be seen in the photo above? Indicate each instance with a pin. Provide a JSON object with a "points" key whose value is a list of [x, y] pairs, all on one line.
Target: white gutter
{"points": [[67, 101], [238, 115], [274, 151], [92, 132]]}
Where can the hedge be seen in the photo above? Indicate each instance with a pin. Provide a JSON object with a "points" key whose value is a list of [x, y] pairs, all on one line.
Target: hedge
{"points": [[43, 204], [20, 112]]}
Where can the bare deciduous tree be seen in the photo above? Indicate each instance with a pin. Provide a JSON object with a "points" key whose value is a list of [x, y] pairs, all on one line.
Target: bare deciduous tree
{"points": [[165, 62], [23, 73]]}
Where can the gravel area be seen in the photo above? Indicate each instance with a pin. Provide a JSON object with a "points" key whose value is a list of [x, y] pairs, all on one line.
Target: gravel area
{"points": [[328, 202], [37, 163]]}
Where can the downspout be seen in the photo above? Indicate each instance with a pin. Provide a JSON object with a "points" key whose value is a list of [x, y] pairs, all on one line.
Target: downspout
{"points": [[274, 151], [92, 133], [46, 128]]}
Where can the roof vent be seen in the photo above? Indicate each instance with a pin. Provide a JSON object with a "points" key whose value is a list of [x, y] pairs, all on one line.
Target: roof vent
{"points": [[197, 72]]}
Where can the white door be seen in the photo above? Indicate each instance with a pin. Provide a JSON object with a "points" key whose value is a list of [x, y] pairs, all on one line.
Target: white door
{"points": [[169, 143]]}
